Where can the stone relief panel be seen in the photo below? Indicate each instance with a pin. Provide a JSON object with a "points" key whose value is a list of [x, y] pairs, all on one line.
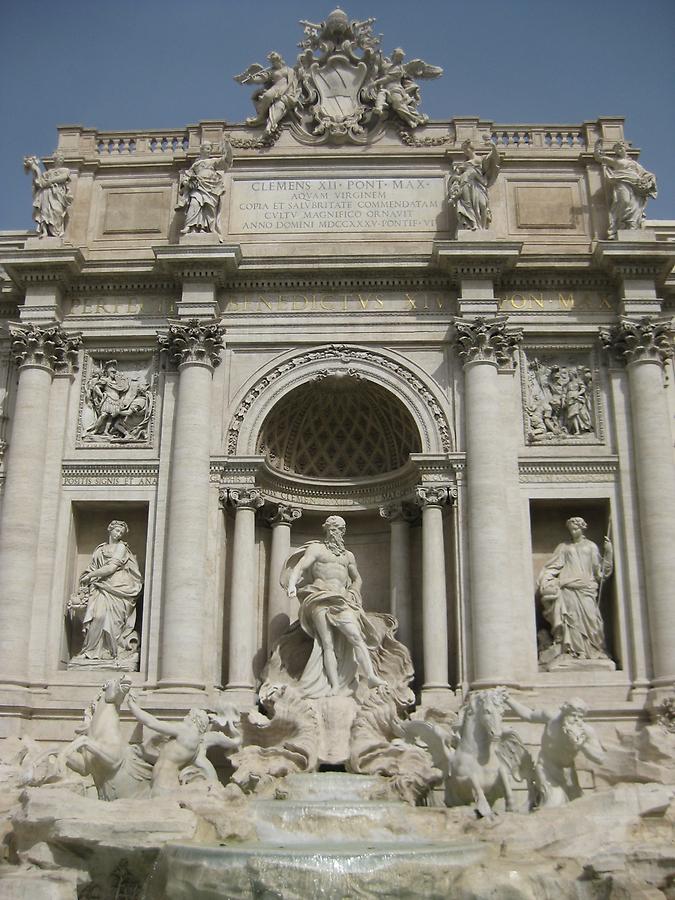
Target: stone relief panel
{"points": [[561, 398], [117, 402]]}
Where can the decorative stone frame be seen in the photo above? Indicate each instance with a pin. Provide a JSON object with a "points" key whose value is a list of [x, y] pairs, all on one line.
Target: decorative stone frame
{"points": [[388, 369], [585, 354]]}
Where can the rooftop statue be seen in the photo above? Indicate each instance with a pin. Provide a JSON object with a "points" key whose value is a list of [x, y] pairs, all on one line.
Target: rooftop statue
{"points": [[51, 195], [470, 179], [200, 188], [280, 92], [342, 86], [630, 186]]}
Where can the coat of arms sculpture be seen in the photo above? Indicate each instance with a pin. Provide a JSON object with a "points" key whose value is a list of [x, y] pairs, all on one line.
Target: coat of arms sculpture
{"points": [[342, 87]]}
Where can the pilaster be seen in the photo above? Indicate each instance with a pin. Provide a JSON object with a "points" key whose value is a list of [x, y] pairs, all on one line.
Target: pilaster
{"points": [[194, 347], [645, 347], [39, 353]]}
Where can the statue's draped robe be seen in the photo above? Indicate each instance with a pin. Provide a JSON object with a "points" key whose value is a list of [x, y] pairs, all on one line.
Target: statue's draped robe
{"points": [[569, 589], [110, 617], [201, 188], [298, 656]]}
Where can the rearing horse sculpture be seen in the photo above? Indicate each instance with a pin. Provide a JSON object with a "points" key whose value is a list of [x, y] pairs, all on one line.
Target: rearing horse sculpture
{"points": [[486, 757], [117, 767], [477, 757]]}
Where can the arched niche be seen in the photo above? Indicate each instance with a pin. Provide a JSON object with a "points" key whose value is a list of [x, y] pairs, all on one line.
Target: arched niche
{"points": [[392, 375]]}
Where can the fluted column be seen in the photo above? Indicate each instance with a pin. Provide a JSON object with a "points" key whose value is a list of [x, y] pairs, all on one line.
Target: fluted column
{"points": [[243, 593], [434, 592], [645, 347], [485, 345], [278, 609], [195, 349], [39, 352], [400, 603]]}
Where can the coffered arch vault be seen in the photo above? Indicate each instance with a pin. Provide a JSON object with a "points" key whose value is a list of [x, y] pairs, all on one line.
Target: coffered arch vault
{"points": [[386, 378]]}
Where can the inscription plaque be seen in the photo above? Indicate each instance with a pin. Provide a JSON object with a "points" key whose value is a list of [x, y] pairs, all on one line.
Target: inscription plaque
{"points": [[353, 204]]}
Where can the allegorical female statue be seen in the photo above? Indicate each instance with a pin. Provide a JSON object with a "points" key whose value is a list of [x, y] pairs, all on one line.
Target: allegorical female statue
{"points": [[201, 187], [470, 179], [569, 587], [105, 604], [51, 195], [631, 185]]}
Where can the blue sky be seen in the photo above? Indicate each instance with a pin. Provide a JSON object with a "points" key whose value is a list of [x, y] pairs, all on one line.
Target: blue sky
{"points": [[134, 64]]}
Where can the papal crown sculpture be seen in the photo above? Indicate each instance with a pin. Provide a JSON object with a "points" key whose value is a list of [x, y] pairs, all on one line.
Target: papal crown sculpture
{"points": [[342, 87]]}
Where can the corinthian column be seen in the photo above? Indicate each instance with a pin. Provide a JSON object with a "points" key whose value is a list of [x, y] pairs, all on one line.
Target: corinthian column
{"points": [[434, 593], [400, 603], [243, 594], [38, 352], [645, 347], [194, 347], [278, 610], [485, 345]]}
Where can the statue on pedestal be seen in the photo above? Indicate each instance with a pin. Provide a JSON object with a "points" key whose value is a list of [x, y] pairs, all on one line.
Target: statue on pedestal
{"points": [[468, 186], [106, 605], [200, 189], [335, 647], [565, 735], [569, 586], [51, 195], [631, 185]]}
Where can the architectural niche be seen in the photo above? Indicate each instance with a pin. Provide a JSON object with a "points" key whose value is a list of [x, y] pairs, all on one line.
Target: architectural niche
{"points": [[338, 426]]}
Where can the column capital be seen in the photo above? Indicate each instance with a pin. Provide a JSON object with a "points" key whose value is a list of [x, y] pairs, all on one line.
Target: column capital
{"points": [[399, 512], [284, 515], [242, 498], [647, 340], [435, 495], [487, 340], [193, 342], [46, 348]]}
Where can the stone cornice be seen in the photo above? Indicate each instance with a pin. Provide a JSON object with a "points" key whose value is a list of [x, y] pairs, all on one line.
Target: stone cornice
{"points": [[581, 469], [635, 259], [476, 259], [206, 263], [38, 266]]}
